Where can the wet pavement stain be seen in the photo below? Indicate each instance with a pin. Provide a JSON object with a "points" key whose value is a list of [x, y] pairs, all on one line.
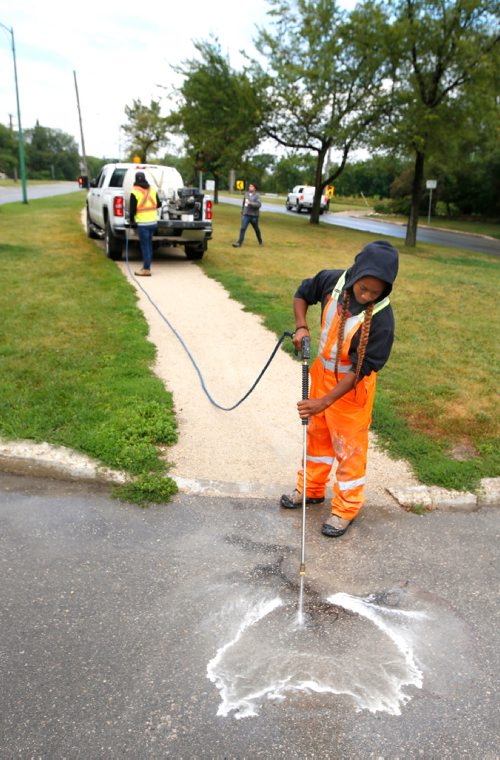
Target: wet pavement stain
{"points": [[373, 651]]}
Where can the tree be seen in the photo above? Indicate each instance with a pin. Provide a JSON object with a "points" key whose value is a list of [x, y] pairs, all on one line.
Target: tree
{"points": [[325, 74], [51, 154], [444, 57], [9, 156], [295, 169], [220, 111], [372, 177], [146, 128], [260, 169]]}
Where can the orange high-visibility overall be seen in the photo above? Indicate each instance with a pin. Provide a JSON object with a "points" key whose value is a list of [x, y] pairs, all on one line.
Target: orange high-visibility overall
{"points": [[340, 432]]}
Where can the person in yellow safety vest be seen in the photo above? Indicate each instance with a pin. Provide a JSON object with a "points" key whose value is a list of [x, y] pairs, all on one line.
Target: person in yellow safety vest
{"points": [[144, 204], [357, 333]]}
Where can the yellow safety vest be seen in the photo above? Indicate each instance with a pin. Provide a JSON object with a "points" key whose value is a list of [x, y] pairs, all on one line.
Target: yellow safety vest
{"points": [[147, 208]]}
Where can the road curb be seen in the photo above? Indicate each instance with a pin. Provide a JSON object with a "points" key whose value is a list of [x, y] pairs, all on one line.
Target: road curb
{"points": [[46, 460], [62, 463], [432, 497]]}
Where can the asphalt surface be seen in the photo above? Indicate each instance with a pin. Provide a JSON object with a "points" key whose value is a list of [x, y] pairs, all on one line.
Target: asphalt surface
{"points": [[15, 194], [112, 617], [384, 229]]}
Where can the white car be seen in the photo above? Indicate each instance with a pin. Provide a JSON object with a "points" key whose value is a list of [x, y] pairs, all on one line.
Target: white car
{"points": [[302, 196]]}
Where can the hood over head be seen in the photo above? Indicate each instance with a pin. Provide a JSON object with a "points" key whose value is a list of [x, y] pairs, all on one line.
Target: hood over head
{"points": [[378, 259], [140, 179]]}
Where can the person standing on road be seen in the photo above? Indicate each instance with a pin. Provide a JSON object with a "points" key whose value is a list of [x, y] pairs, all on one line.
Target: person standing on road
{"points": [[250, 214], [144, 204], [357, 333]]}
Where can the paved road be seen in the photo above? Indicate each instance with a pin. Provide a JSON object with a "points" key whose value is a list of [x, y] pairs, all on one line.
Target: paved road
{"points": [[15, 194], [112, 618], [388, 229]]}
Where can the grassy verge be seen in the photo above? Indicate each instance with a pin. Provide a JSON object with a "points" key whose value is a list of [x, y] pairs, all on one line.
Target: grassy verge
{"points": [[75, 358], [437, 397], [77, 363]]}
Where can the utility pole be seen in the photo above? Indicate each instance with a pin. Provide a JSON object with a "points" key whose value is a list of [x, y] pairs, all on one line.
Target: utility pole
{"points": [[84, 155], [19, 128]]}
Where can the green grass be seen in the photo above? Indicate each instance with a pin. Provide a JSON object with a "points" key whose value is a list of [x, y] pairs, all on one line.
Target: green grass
{"points": [[439, 389], [76, 362]]}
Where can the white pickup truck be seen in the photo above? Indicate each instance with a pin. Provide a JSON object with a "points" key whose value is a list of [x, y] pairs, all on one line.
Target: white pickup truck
{"points": [[184, 218], [302, 197]]}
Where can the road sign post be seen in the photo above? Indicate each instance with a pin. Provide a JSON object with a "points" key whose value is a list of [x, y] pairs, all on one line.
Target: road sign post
{"points": [[431, 185]]}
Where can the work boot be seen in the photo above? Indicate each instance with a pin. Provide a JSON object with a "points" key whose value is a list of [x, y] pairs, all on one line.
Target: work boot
{"points": [[294, 500], [335, 526], [143, 272], [236, 245]]}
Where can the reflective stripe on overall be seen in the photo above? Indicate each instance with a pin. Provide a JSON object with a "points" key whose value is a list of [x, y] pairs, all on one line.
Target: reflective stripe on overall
{"points": [[147, 210], [341, 431]]}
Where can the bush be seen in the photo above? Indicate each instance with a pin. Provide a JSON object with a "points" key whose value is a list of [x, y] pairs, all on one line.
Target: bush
{"points": [[400, 206]]}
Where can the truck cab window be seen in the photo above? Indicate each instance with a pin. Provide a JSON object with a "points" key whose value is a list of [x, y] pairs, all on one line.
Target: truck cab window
{"points": [[117, 178]]}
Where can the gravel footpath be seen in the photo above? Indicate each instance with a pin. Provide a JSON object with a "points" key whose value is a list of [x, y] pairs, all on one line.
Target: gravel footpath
{"points": [[257, 448]]}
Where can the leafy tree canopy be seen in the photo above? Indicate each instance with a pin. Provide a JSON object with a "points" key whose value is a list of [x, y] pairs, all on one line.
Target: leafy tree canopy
{"points": [[51, 154], [325, 77], [444, 60], [145, 130], [220, 110], [9, 156]]}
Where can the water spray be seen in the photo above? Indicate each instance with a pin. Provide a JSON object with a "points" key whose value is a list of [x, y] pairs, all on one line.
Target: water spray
{"points": [[306, 354]]}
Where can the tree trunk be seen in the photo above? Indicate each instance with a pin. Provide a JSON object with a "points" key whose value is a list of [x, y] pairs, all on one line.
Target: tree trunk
{"points": [[318, 182], [416, 196]]}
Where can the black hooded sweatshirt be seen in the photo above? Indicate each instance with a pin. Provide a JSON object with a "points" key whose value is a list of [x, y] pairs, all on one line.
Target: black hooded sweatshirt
{"points": [[379, 259]]}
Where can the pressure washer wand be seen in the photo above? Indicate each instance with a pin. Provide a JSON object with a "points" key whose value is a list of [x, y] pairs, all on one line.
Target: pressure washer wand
{"points": [[306, 354]]}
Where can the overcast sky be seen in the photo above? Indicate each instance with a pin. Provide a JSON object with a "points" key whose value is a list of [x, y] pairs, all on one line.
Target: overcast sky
{"points": [[121, 51]]}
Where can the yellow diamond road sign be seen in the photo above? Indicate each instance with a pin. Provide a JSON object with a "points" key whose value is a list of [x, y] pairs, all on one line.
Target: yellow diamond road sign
{"points": [[330, 190], [240, 184]]}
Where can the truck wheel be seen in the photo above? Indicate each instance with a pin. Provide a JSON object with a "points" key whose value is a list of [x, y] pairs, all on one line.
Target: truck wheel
{"points": [[288, 206], [113, 244], [91, 233], [195, 251]]}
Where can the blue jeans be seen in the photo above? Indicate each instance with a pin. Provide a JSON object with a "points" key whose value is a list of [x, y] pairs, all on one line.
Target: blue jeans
{"points": [[246, 219], [146, 232]]}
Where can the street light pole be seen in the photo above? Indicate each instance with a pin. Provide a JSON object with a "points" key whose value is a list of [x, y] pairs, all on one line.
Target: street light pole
{"points": [[84, 154], [19, 128]]}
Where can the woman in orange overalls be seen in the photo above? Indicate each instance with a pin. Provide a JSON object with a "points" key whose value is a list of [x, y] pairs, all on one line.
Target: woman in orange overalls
{"points": [[357, 333]]}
